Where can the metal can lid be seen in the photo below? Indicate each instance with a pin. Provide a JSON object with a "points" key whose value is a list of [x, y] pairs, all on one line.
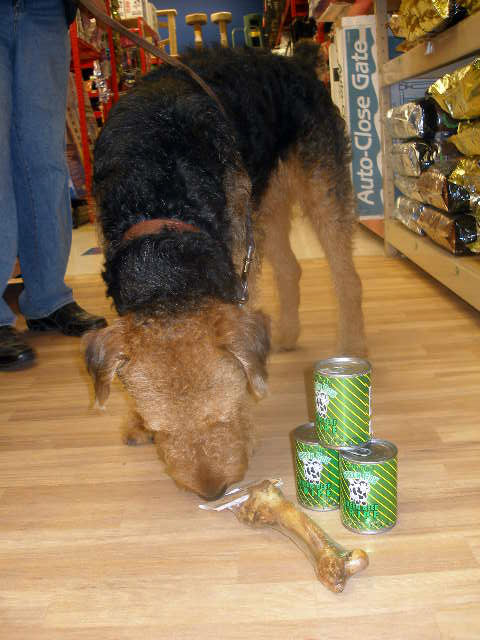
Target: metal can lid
{"points": [[306, 433], [371, 451], [345, 367]]}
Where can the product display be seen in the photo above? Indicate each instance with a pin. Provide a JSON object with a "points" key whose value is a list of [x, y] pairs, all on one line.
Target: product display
{"points": [[419, 19], [467, 174], [408, 212], [421, 118], [368, 487], [342, 401], [316, 471], [467, 138], [458, 93], [412, 158], [433, 187], [458, 234]]}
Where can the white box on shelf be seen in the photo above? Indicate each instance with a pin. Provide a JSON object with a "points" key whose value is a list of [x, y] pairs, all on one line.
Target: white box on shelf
{"points": [[130, 9]]}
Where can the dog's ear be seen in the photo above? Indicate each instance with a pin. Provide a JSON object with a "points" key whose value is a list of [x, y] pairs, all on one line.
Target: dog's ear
{"points": [[103, 355], [246, 335]]}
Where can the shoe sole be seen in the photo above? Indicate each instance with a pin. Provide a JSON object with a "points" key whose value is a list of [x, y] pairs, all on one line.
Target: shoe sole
{"points": [[66, 332], [18, 366]]}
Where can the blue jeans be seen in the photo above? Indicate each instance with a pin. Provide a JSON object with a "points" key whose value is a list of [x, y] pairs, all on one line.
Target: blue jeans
{"points": [[35, 214]]}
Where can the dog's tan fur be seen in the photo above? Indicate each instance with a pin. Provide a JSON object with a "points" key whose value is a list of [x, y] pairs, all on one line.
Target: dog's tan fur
{"points": [[193, 376]]}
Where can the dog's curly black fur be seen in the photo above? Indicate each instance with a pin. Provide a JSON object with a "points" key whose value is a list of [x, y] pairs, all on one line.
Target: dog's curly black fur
{"points": [[167, 151]]}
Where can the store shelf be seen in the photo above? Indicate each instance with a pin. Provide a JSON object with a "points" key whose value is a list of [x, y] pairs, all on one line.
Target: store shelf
{"points": [[461, 274], [458, 273], [134, 23], [87, 51], [451, 45]]}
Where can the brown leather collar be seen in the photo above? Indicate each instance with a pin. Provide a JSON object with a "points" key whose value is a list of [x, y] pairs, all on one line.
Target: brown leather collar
{"points": [[146, 227]]}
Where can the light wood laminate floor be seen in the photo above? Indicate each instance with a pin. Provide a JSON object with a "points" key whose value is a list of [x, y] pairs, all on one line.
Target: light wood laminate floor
{"points": [[96, 543]]}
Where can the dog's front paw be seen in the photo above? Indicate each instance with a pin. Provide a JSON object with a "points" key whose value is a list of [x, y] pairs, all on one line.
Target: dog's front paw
{"points": [[134, 433], [137, 438]]}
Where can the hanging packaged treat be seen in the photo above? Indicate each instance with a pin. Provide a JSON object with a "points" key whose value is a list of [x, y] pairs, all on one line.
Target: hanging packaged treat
{"points": [[412, 158], [459, 234], [408, 212], [419, 119], [432, 187], [458, 93], [467, 138]]}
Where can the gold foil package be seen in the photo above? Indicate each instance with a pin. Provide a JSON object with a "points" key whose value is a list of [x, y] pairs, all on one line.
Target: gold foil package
{"points": [[467, 174], [419, 119], [459, 234], [412, 158], [408, 212], [458, 93], [417, 20], [432, 187], [467, 138]]}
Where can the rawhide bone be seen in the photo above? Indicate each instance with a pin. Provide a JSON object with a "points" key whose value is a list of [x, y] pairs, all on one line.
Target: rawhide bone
{"points": [[265, 505]]}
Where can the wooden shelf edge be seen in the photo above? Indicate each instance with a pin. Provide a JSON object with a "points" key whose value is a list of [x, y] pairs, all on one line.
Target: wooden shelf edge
{"points": [[455, 43], [460, 274]]}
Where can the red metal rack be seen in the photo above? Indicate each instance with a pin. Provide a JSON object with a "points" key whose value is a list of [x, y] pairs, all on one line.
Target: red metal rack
{"points": [[293, 9]]}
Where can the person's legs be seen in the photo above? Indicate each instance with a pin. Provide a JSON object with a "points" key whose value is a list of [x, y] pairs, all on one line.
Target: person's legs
{"points": [[40, 80], [8, 211]]}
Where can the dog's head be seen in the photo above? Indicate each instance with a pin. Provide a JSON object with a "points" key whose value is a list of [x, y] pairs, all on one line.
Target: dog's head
{"points": [[191, 377]]}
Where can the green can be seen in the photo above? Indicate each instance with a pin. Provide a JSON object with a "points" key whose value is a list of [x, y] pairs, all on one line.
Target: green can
{"points": [[368, 487], [343, 394], [316, 471]]}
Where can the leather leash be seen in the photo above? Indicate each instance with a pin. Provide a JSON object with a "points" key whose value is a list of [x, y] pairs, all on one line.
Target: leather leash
{"points": [[107, 21]]}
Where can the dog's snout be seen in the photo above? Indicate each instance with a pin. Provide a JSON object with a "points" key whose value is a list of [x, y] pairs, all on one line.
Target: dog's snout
{"points": [[215, 496]]}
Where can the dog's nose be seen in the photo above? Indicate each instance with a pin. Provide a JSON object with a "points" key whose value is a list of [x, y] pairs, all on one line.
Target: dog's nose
{"points": [[216, 496]]}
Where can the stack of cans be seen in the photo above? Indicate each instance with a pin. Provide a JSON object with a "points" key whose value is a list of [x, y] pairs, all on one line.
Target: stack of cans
{"points": [[338, 462]]}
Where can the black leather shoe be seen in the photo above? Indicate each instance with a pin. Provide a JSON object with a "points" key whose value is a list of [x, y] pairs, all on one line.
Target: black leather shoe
{"points": [[70, 320], [14, 353]]}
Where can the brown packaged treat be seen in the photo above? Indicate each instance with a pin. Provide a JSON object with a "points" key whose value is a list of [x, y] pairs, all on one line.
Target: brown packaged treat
{"points": [[432, 187], [421, 118], [412, 158], [458, 234], [458, 93]]}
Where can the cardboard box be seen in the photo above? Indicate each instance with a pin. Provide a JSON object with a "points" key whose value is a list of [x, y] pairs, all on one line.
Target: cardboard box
{"points": [[131, 9]]}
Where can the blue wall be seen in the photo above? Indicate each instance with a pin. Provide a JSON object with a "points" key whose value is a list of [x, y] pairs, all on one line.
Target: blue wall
{"points": [[211, 33]]}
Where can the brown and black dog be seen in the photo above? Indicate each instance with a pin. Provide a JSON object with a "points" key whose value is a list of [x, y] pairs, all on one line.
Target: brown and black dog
{"points": [[176, 182]]}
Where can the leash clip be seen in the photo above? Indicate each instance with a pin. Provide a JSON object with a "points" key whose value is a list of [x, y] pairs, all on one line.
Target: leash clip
{"points": [[247, 261]]}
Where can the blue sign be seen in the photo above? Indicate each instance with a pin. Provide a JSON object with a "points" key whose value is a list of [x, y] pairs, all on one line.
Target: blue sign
{"points": [[364, 117]]}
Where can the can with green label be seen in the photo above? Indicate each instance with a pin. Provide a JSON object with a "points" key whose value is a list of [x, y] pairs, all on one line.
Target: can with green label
{"points": [[342, 390], [368, 487], [316, 471]]}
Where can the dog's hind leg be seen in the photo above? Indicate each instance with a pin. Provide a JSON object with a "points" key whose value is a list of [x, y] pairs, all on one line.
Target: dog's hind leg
{"points": [[326, 198], [275, 212]]}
